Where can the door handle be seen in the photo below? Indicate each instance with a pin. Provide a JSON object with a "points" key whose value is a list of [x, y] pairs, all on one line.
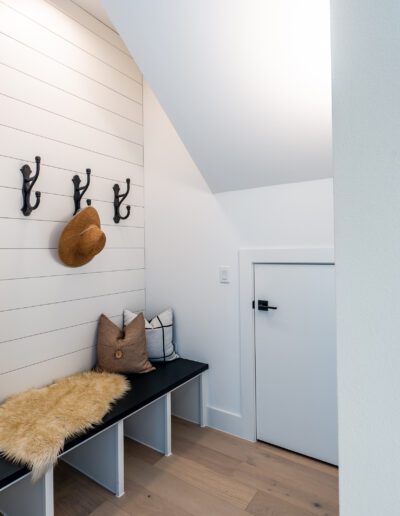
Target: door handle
{"points": [[264, 305]]}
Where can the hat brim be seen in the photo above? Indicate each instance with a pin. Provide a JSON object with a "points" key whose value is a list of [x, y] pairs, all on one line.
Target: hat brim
{"points": [[68, 245]]}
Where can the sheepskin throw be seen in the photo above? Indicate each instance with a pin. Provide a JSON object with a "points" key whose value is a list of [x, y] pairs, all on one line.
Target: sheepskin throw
{"points": [[35, 424]]}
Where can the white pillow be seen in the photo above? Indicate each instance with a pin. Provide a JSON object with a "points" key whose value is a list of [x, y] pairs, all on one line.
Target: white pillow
{"points": [[159, 335]]}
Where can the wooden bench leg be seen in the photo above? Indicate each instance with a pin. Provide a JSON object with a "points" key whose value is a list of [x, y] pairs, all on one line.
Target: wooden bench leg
{"points": [[190, 400], [101, 458], [151, 425], [25, 498]]}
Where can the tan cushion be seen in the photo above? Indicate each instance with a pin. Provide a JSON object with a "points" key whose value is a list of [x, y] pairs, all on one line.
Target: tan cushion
{"points": [[122, 351]]}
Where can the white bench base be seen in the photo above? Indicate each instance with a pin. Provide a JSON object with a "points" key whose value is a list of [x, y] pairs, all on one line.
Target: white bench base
{"points": [[101, 457], [183, 405], [151, 425], [22, 498]]}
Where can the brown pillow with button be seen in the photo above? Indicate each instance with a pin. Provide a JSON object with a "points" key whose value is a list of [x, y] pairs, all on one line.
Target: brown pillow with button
{"points": [[122, 351]]}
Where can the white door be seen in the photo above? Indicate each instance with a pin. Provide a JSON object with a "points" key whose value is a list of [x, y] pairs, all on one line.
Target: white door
{"points": [[296, 358]]}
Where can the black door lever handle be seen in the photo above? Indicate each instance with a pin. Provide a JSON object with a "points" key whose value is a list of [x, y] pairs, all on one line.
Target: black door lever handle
{"points": [[264, 305]]}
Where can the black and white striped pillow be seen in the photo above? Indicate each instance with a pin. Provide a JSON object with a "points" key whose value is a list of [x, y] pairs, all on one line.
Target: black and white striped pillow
{"points": [[159, 335]]}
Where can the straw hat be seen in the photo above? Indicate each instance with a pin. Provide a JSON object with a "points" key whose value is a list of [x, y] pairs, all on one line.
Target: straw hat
{"points": [[82, 238]]}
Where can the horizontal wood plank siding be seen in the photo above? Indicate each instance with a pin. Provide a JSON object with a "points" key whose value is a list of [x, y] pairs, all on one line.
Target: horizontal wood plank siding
{"points": [[70, 93], [28, 292], [28, 32], [48, 346], [35, 120], [69, 30], [74, 11], [43, 234], [58, 208], [44, 263], [16, 142], [58, 181], [41, 67], [19, 86]]}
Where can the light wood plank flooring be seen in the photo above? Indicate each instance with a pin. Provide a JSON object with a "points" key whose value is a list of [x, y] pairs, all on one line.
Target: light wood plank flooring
{"points": [[209, 474]]}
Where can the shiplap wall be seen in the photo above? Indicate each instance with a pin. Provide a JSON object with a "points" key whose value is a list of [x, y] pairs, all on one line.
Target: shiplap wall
{"points": [[70, 93]]}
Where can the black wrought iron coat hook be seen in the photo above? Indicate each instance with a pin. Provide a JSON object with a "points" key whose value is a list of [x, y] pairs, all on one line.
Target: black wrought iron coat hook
{"points": [[119, 199], [27, 186], [79, 191]]}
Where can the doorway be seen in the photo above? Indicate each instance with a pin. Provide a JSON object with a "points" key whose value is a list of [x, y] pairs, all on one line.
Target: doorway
{"points": [[295, 344]]}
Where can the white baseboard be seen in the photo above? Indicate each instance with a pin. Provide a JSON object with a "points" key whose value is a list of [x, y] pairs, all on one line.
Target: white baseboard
{"points": [[225, 421], [188, 419], [185, 405], [222, 420]]}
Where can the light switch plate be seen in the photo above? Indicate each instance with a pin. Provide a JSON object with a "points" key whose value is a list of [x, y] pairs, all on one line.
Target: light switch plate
{"points": [[224, 274]]}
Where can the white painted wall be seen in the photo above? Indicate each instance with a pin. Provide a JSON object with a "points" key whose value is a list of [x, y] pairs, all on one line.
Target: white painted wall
{"points": [[190, 232], [70, 93], [366, 131], [247, 85]]}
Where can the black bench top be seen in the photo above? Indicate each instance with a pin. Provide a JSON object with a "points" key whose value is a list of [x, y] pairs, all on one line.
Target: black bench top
{"points": [[145, 388]]}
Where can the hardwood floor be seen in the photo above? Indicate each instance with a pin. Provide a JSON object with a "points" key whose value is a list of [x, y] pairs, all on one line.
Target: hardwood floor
{"points": [[209, 474]]}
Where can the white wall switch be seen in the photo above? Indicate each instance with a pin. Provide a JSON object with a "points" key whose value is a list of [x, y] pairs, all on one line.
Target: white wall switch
{"points": [[224, 274]]}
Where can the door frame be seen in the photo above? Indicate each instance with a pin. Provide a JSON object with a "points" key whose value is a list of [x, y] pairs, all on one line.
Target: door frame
{"points": [[247, 259]]}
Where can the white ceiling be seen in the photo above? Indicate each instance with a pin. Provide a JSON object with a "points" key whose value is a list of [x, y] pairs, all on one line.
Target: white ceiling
{"points": [[247, 84]]}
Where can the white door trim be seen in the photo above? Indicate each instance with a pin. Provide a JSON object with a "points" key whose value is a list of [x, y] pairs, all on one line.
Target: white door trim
{"points": [[247, 259]]}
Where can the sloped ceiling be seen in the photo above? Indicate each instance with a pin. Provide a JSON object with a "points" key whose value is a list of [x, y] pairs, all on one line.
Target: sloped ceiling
{"points": [[246, 83]]}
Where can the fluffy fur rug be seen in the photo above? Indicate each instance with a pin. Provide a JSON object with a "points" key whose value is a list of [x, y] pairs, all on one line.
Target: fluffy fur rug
{"points": [[35, 424]]}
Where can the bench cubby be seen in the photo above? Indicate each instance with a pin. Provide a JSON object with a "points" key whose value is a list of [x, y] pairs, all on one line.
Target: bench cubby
{"points": [[144, 415]]}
